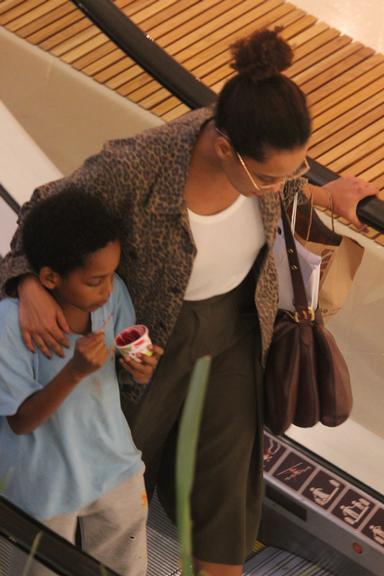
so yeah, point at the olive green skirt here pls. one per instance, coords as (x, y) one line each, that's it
(228, 489)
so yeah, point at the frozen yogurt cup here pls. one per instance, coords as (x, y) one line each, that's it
(134, 340)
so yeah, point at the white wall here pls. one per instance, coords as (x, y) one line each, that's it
(360, 19)
(68, 115)
(51, 118)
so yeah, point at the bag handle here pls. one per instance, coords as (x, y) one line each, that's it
(303, 311)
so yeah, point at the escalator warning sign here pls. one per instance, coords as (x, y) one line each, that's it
(323, 489)
(353, 508)
(294, 471)
(374, 528)
(273, 451)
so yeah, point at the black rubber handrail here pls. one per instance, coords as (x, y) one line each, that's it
(141, 48)
(370, 210)
(20, 530)
(8, 199)
(182, 84)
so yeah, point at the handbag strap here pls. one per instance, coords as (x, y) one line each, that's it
(303, 311)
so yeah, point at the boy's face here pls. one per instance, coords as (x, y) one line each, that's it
(89, 286)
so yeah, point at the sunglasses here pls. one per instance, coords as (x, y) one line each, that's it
(301, 170)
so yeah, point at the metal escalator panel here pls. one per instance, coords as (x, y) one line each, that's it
(267, 561)
(327, 522)
(274, 562)
(20, 533)
(319, 512)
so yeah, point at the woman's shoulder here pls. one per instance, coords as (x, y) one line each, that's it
(120, 294)
(9, 313)
(155, 141)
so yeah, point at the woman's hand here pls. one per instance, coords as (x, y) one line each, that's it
(42, 321)
(142, 371)
(346, 193)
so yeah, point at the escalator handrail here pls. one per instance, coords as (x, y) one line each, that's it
(8, 199)
(20, 530)
(145, 52)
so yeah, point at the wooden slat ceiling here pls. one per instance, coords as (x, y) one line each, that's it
(343, 79)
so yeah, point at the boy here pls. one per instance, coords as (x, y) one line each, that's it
(65, 445)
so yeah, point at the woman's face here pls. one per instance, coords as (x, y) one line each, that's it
(253, 178)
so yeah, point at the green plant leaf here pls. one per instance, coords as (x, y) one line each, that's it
(34, 547)
(103, 570)
(4, 480)
(186, 457)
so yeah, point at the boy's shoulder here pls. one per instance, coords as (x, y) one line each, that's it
(10, 332)
(120, 304)
(9, 314)
(120, 290)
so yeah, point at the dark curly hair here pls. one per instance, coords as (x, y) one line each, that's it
(62, 230)
(260, 108)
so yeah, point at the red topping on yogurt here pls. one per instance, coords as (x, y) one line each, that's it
(127, 337)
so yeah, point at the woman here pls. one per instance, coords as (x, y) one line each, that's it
(200, 203)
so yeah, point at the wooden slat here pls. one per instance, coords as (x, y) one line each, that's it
(149, 10)
(371, 164)
(321, 59)
(45, 26)
(88, 47)
(379, 183)
(343, 136)
(218, 64)
(348, 124)
(99, 59)
(199, 61)
(365, 82)
(183, 21)
(343, 79)
(367, 98)
(7, 5)
(39, 11)
(202, 26)
(70, 30)
(316, 54)
(347, 62)
(17, 10)
(121, 81)
(359, 148)
(121, 71)
(347, 78)
(163, 107)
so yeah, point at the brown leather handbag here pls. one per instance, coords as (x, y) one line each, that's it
(306, 377)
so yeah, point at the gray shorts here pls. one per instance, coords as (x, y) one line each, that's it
(113, 530)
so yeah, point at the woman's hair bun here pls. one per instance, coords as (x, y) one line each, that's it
(262, 55)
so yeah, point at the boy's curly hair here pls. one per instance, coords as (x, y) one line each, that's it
(62, 230)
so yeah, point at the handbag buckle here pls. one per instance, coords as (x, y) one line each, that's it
(306, 314)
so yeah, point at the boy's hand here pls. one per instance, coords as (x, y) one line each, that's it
(142, 371)
(90, 354)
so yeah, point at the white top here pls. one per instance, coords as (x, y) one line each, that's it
(227, 245)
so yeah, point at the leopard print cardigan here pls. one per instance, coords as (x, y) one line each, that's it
(142, 179)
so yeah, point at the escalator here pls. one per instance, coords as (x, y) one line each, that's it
(318, 519)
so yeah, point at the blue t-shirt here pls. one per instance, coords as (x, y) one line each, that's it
(85, 448)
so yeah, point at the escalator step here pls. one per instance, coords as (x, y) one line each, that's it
(267, 561)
